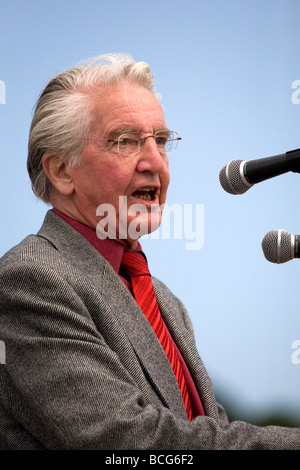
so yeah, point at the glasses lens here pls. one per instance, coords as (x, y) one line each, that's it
(167, 140)
(129, 144)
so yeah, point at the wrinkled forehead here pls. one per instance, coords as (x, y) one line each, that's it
(125, 103)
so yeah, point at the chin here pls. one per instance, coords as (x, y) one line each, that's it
(143, 224)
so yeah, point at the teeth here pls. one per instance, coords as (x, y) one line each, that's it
(147, 193)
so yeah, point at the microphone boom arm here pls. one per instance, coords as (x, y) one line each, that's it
(272, 166)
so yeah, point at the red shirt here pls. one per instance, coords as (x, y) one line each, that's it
(112, 251)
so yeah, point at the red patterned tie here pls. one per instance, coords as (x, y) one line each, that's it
(136, 266)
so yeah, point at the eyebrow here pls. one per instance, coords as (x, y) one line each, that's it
(123, 130)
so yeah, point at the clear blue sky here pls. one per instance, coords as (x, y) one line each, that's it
(225, 71)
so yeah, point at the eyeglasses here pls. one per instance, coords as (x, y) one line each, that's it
(131, 143)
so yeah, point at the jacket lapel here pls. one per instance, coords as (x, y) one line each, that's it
(147, 347)
(184, 338)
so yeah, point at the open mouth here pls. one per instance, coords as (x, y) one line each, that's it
(147, 193)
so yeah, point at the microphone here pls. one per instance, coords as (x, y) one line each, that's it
(280, 246)
(238, 175)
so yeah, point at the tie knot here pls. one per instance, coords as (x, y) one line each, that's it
(135, 264)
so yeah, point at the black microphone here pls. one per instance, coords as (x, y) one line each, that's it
(238, 175)
(280, 246)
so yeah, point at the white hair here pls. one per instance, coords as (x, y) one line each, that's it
(64, 111)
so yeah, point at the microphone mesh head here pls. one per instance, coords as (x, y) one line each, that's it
(278, 246)
(231, 179)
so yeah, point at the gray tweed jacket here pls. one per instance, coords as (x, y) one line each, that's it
(83, 368)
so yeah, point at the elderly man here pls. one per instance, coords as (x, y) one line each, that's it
(98, 354)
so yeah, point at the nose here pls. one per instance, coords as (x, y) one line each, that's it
(150, 159)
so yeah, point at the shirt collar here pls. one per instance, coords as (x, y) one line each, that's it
(111, 250)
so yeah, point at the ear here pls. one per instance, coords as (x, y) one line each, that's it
(57, 171)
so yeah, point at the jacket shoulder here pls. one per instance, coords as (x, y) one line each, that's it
(31, 249)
